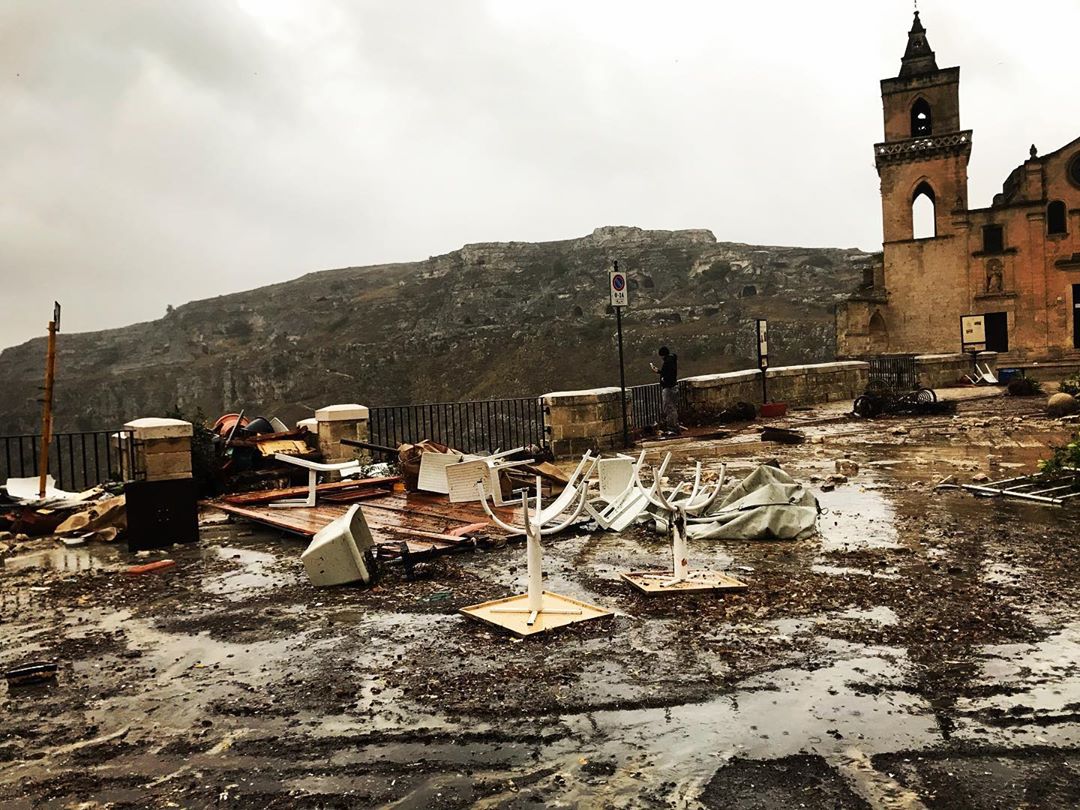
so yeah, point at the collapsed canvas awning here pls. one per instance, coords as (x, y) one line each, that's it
(767, 505)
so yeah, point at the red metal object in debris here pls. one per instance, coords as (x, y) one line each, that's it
(226, 422)
(771, 410)
(154, 566)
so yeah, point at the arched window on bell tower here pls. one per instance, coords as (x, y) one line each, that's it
(922, 122)
(923, 212)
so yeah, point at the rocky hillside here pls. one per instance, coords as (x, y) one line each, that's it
(498, 319)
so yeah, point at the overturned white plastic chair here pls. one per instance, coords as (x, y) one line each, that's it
(562, 512)
(622, 498)
(700, 503)
(345, 469)
(691, 506)
(462, 478)
(433, 466)
(982, 375)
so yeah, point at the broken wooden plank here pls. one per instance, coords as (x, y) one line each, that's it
(271, 495)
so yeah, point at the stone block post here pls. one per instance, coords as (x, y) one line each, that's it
(577, 421)
(162, 449)
(337, 422)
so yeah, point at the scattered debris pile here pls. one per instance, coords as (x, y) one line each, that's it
(76, 517)
(879, 400)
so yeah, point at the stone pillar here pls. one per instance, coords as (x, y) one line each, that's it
(577, 421)
(162, 449)
(337, 422)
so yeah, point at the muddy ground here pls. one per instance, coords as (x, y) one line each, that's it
(922, 651)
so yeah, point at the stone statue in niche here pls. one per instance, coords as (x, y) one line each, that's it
(995, 278)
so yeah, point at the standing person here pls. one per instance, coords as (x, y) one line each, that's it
(669, 390)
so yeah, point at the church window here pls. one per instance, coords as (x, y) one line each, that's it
(923, 214)
(1074, 170)
(1056, 221)
(993, 239)
(921, 121)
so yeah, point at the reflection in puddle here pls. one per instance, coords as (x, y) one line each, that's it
(856, 517)
(62, 559)
(773, 715)
(255, 573)
(1035, 690)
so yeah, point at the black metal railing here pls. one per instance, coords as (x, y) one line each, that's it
(645, 409)
(896, 372)
(77, 461)
(473, 427)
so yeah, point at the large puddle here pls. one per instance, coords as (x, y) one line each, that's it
(857, 701)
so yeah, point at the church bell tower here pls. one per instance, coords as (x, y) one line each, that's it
(925, 152)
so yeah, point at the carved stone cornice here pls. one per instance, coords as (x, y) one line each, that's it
(911, 149)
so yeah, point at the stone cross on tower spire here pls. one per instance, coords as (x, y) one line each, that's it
(918, 58)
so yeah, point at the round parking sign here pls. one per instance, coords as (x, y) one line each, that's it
(619, 297)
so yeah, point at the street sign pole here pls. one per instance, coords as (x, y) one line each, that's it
(622, 378)
(47, 401)
(619, 298)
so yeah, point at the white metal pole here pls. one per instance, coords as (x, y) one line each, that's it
(534, 561)
(680, 563)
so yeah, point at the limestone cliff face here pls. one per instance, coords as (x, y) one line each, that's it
(490, 319)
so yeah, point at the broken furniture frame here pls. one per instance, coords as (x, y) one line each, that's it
(1038, 488)
(695, 504)
(551, 520)
(537, 605)
(982, 375)
(345, 468)
(618, 511)
(681, 578)
(432, 475)
(462, 478)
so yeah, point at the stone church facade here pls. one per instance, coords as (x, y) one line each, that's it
(1016, 262)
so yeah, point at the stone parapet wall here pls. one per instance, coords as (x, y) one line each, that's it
(820, 382)
(941, 370)
(578, 421)
(945, 370)
(707, 395)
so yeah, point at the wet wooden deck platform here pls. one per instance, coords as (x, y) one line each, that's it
(427, 524)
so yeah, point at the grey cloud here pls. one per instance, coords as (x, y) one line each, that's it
(159, 152)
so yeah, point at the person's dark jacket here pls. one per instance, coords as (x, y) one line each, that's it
(669, 372)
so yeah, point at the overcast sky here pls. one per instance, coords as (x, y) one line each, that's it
(156, 152)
